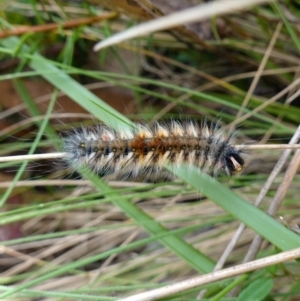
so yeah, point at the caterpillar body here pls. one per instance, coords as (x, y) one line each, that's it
(144, 150)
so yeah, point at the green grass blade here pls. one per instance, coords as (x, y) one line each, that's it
(250, 215)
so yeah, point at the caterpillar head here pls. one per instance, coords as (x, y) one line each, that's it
(233, 162)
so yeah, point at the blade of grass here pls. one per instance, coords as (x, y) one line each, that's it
(250, 215)
(277, 7)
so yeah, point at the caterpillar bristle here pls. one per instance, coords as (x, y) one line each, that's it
(144, 150)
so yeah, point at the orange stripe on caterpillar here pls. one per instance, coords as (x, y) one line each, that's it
(145, 149)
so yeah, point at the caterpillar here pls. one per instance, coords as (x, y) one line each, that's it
(144, 150)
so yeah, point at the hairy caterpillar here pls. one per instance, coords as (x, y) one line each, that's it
(144, 150)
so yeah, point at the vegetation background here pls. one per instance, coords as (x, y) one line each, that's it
(64, 239)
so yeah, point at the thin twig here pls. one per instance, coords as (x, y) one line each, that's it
(215, 276)
(63, 182)
(33, 157)
(55, 26)
(63, 155)
(269, 146)
(260, 70)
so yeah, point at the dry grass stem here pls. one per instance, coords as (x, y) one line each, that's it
(259, 71)
(64, 182)
(63, 155)
(194, 14)
(215, 276)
